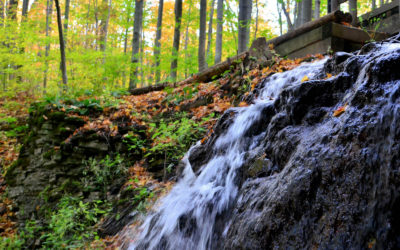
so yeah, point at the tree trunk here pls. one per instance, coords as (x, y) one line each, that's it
(256, 28)
(137, 30)
(306, 11)
(157, 44)
(49, 12)
(187, 40)
(210, 30)
(353, 11)
(66, 19)
(279, 19)
(202, 35)
(373, 4)
(335, 5)
(87, 26)
(62, 46)
(287, 15)
(25, 5)
(244, 24)
(105, 15)
(382, 3)
(177, 36)
(317, 9)
(96, 17)
(297, 14)
(12, 9)
(220, 22)
(2, 13)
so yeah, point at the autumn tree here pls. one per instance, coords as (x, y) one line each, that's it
(157, 44)
(220, 22)
(177, 35)
(62, 46)
(202, 36)
(137, 30)
(244, 24)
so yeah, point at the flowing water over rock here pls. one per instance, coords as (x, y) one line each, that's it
(285, 172)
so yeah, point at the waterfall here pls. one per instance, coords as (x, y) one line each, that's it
(185, 218)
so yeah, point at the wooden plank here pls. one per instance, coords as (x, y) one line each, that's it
(319, 47)
(355, 34)
(299, 42)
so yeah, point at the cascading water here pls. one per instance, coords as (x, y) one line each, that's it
(186, 217)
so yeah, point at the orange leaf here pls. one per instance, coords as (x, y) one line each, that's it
(304, 79)
(338, 112)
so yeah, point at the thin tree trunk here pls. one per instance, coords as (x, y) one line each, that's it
(220, 22)
(12, 9)
(177, 35)
(49, 12)
(187, 40)
(157, 44)
(296, 18)
(317, 9)
(256, 28)
(105, 13)
(373, 4)
(66, 19)
(244, 24)
(210, 30)
(87, 26)
(279, 19)
(137, 30)
(202, 36)
(141, 51)
(382, 3)
(287, 15)
(126, 38)
(96, 17)
(62, 47)
(2, 14)
(353, 11)
(25, 5)
(106, 31)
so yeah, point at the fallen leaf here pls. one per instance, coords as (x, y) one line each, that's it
(304, 79)
(338, 112)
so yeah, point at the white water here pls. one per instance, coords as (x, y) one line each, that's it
(186, 217)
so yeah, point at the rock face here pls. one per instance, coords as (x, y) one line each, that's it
(323, 181)
(48, 167)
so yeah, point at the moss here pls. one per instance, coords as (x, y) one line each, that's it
(48, 154)
(57, 116)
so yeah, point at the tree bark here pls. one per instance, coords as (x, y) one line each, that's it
(49, 12)
(187, 40)
(105, 15)
(87, 26)
(353, 11)
(334, 5)
(210, 30)
(62, 46)
(373, 4)
(306, 11)
(157, 44)
(66, 19)
(256, 28)
(220, 22)
(287, 14)
(25, 5)
(12, 9)
(177, 36)
(2, 13)
(137, 30)
(244, 24)
(317, 9)
(279, 18)
(202, 35)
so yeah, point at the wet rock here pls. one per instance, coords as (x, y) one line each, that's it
(335, 182)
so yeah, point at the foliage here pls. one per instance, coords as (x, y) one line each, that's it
(103, 172)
